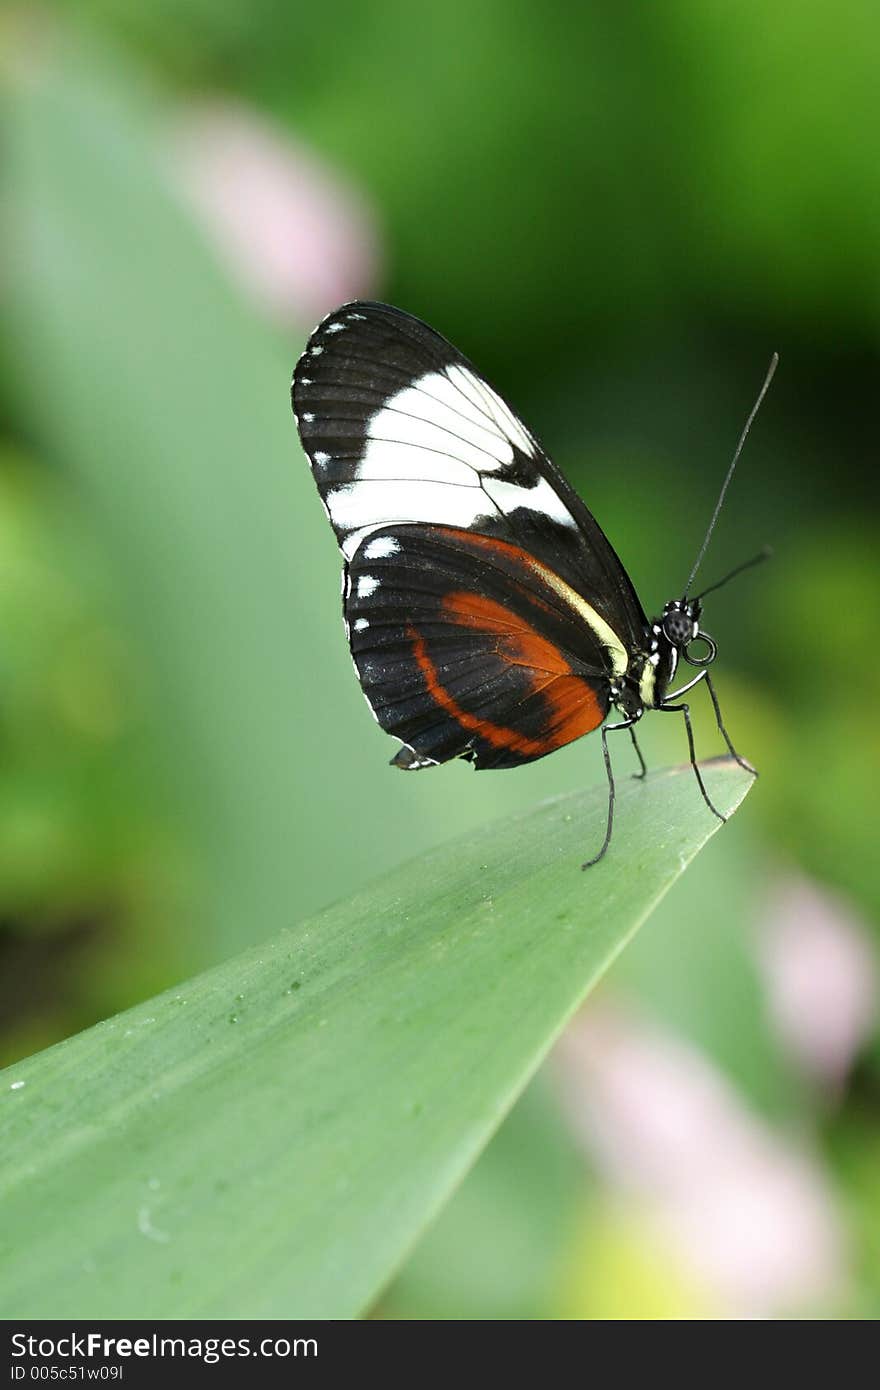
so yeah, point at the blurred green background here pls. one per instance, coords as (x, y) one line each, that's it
(618, 213)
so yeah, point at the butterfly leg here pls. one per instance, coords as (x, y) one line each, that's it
(724, 734)
(635, 742)
(685, 709)
(606, 730)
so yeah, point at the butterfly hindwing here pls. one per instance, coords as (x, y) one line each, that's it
(464, 647)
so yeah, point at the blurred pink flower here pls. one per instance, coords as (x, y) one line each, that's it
(821, 972)
(296, 235)
(748, 1210)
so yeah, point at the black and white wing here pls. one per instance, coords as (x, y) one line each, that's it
(401, 428)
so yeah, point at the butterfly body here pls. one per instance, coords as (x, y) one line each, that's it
(488, 615)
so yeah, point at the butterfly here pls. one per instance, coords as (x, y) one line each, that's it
(488, 615)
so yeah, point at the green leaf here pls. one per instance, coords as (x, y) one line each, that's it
(504, 1245)
(719, 1002)
(271, 1139)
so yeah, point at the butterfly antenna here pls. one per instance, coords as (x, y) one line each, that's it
(774, 362)
(764, 554)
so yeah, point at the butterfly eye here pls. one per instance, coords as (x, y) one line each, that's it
(708, 655)
(678, 627)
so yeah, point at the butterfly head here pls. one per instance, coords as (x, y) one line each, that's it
(680, 625)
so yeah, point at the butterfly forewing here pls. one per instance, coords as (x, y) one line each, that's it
(400, 427)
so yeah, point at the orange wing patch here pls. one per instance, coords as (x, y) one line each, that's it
(573, 708)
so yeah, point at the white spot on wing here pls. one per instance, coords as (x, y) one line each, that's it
(481, 393)
(443, 389)
(381, 548)
(334, 328)
(352, 541)
(316, 352)
(369, 505)
(439, 433)
(542, 498)
(400, 459)
(361, 624)
(367, 584)
(320, 458)
(308, 416)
